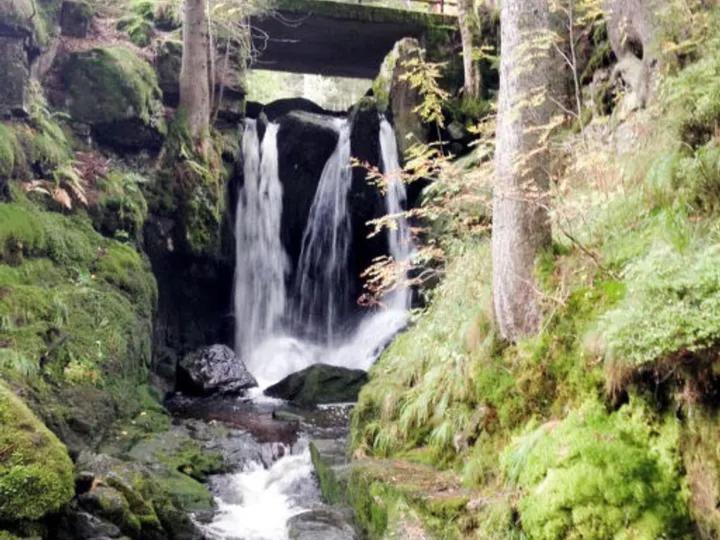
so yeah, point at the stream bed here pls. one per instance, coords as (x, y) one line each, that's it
(271, 491)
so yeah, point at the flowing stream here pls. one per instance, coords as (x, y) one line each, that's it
(275, 338)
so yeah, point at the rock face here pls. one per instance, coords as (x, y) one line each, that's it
(322, 524)
(125, 110)
(318, 384)
(306, 139)
(632, 28)
(125, 496)
(16, 76)
(396, 96)
(75, 18)
(214, 369)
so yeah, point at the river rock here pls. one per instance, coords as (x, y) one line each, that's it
(214, 369)
(319, 384)
(321, 524)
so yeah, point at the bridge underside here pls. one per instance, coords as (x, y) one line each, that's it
(334, 39)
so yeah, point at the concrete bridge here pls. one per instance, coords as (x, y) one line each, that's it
(337, 39)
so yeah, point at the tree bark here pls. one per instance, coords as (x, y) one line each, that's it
(194, 83)
(520, 219)
(467, 23)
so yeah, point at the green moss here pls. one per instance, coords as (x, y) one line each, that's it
(124, 87)
(139, 30)
(331, 488)
(123, 267)
(36, 474)
(596, 475)
(7, 151)
(681, 289)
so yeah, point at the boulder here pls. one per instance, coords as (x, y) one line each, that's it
(318, 384)
(125, 110)
(75, 18)
(36, 473)
(321, 524)
(215, 369)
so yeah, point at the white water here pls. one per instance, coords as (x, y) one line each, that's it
(261, 262)
(399, 237)
(263, 500)
(322, 285)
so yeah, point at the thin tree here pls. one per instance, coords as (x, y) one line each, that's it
(467, 20)
(195, 71)
(521, 227)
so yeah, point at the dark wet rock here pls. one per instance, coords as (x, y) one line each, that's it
(366, 202)
(256, 420)
(321, 524)
(167, 66)
(305, 142)
(78, 524)
(15, 68)
(282, 107)
(75, 18)
(214, 369)
(319, 384)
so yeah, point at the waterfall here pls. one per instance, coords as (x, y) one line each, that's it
(321, 298)
(322, 285)
(399, 238)
(261, 261)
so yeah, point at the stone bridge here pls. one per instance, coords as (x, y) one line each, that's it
(337, 39)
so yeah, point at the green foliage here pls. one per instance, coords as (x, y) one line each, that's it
(682, 292)
(36, 474)
(597, 475)
(121, 208)
(422, 389)
(693, 96)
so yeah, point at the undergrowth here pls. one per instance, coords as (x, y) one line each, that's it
(630, 290)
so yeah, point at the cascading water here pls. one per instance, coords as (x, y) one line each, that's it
(322, 286)
(399, 238)
(261, 263)
(262, 500)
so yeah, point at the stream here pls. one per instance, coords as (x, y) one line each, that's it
(287, 321)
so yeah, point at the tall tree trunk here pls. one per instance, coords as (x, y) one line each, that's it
(467, 22)
(194, 83)
(520, 219)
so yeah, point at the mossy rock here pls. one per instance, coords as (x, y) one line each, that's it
(36, 473)
(117, 93)
(136, 498)
(320, 383)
